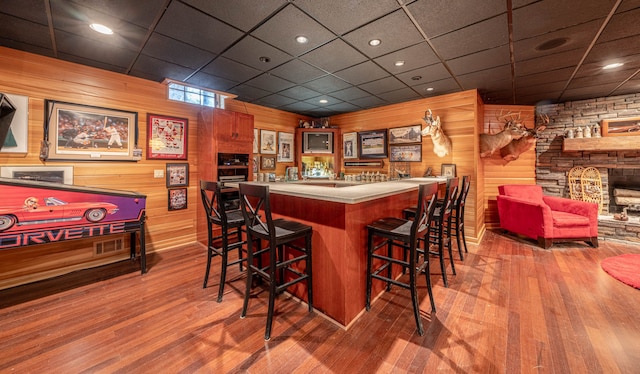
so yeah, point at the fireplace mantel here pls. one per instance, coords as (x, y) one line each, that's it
(613, 143)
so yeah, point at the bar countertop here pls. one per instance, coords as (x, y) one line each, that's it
(344, 191)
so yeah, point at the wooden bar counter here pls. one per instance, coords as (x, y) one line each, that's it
(339, 216)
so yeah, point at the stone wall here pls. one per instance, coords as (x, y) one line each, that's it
(553, 165)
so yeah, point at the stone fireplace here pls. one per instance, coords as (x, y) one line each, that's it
(619, 165)
(624, 190)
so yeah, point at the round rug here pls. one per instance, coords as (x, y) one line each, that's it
(625, 268)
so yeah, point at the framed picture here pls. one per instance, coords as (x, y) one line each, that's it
(349, 145)
(448, 170)
(285, 147)
(167, 137)
(255, 163)
(410, 153)
(177, 198)
(403, 135)
(621, 127)
(372, 144)
(54, 174)
(177, 175)
(18, 123)
(268, 142)
(268, 162)
(256, 139)
(89, 133)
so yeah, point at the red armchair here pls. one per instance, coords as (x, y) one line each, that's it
(523, 209)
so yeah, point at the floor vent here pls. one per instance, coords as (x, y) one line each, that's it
(108, 246)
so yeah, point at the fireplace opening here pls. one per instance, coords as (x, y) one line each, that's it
(624, 191)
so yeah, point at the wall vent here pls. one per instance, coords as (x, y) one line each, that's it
(108, 246)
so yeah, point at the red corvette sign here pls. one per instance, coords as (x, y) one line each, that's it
(39, 212)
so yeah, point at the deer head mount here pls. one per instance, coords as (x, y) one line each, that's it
(516, 147)
(441, 142)
(513, 129)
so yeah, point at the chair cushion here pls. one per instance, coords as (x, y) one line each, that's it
(563, 219)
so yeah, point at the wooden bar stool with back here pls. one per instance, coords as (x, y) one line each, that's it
(285, 267)
(405, 234)
(222, 212)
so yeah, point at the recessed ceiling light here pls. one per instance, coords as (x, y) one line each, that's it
(612, 66)
(264, 59)
(374, 42)
(102, 29)
(323, 101)
(399, 63)
(429, 89)
(301, 39)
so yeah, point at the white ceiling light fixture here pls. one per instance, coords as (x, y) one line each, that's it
(302, 39)
(374, 42)
(323, 101)
(429, 89)
(102, 29)
(612, 66)
(399, 63)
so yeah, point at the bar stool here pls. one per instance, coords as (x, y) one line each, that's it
(457, 215)
(439, 232)
(279, 233)
(230, 221)
(398, 232)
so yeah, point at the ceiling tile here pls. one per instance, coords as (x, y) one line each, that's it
(440, 87)
(396, 31)
(248, 93)
(382, 85)
(480, 36)
(190, 26)
(283, 28)
(577, 37)
(29, 33)
(164, 48)
(297, 71)
(161, 69)
(487, 79)
(401, 95)
(229, 69)
(299, 93)
(343, 108)
(327, 84)
(541, 64)
(369, 102)
(361, 73)
(205, 80)
(441, 17)
(542, 16)
(269, 83)
(139, 12)
(349, 94)
(89, 50)
(342, 16)
(250, 51)
(325, 57)
(30, 10)
(414, 57)
(243, 14)
(275, 100)
(298, 107)
(486, 59)
(419, 76)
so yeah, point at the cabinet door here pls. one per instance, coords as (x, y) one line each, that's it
(224, 124)
(244, 128)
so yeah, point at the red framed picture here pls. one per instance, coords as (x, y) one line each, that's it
(167, 137)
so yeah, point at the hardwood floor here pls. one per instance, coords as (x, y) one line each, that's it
(513, 307)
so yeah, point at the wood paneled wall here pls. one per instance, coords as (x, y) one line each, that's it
(459, 117)
(496, 171)
(41, 78)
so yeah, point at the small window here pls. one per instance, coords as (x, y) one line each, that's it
(194, 95)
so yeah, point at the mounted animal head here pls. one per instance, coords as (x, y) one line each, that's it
(516, 147)
(441, 142)
(513, 129)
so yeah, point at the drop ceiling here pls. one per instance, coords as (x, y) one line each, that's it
(522, 52)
